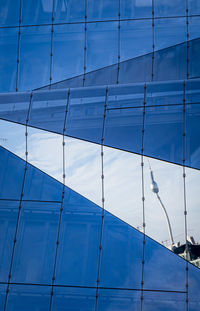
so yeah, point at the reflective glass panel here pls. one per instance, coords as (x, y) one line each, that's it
(8, 60)
(165, 35)
(8, 220)
(135, 9)
(192, 91)
(104, 76)
(77, 261)
(37, 12)
(12, 174)
(193, 287)
(194, 27)
(102, 45)
(36, 243)
(35, 47)
(28, 297)
(102, 10)
(123, 129)
(9, 12)
(121, 258)
(194, 7)
(68, 51)
(135, 38)
(69, 11)
(194, 63)
(164, 301)
(165, 8)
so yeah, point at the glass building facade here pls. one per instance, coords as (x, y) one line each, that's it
(100, 155)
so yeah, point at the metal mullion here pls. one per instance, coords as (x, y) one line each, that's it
(85, 44)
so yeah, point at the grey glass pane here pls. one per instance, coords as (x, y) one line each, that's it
(68, 51)
(135, 38)
(135, 9)
(37, 12)
(102, 10)
(35, 45)
(69, 11)
(102, 45)
(8, 60)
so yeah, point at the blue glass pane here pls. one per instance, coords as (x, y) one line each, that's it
(165, 8)
(39, 186)
(28, 297)
(36, 243)
(125, 96)
(164, 301)
(68, 51)
(170, 63)
(169, 270)
(192, 135)
(72, 82)
(192, 91)
(135, 38)
(8, 60)
(194, 7)
(193, 287)
(8, 220)
(123, 129)
(102, 45)
(165, 35)
(69, 299)
(135, 9)
(104, 76)
(120, 300)
(165, 93)
(121, 260)
(2, 295)
(14, 107)
(37, 12)
(77, 261)
(102, 10)
(69, 11)
(138, 69)
(9, 12)
(194, 62)
(85, 114)
(163, 138)
(48, 110)
(194, 27)
(35, 47)
(11, 175)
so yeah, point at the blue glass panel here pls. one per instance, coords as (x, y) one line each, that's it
(9, 12)
(165, 35)
(11, 176)
(39, 186)
(85, 114)
(135, 38)
(135, 9)
(37, 12)
(163, 138)
(102, 45)
(14, 107)
(28, 297)
(77, 261)
(102, 10)
(194, 7)
(194, 27)
(36, 243)
(192, 91)
(121, 260)
(73, 82)
(170, 63)
(192, 135)
(138, 69)
(123, 129)
(120, 300)
(169, 270)
(125, 96)
(194, 62)
(68, 51)
(48, 110)
(164, 301)
(8, 60)
(73, 299)
(8, 220)
(165, 8)
(35, 45)
(193, 287)
(104, 76)
(164, 93)
(69, 11)
(2, 295)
